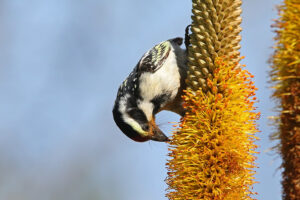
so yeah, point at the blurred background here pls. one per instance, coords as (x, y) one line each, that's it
(61, 63)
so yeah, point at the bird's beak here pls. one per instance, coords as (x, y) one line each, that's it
(155, 133)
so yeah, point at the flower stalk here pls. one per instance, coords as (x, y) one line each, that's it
(212, 150)
(285, 76)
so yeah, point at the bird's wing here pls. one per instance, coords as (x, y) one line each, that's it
(155, 57)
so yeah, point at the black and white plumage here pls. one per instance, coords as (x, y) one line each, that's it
(155, 84)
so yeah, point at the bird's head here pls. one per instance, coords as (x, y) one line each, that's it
(134, 124)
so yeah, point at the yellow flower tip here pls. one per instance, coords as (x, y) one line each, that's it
(212, 151)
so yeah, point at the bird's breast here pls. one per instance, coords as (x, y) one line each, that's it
(164, 80)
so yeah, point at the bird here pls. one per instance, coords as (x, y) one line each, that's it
(155, 84)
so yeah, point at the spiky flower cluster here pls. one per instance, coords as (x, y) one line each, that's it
(215, 33)
(212, 149)
(286, 78)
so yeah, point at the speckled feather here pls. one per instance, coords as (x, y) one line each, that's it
(151, 61)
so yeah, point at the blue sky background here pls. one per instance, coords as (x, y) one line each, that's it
(61, 62)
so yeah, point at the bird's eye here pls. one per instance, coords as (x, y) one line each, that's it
(145, 127)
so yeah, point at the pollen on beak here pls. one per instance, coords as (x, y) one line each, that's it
(155, 133)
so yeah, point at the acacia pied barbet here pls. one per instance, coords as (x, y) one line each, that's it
(155, 84)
